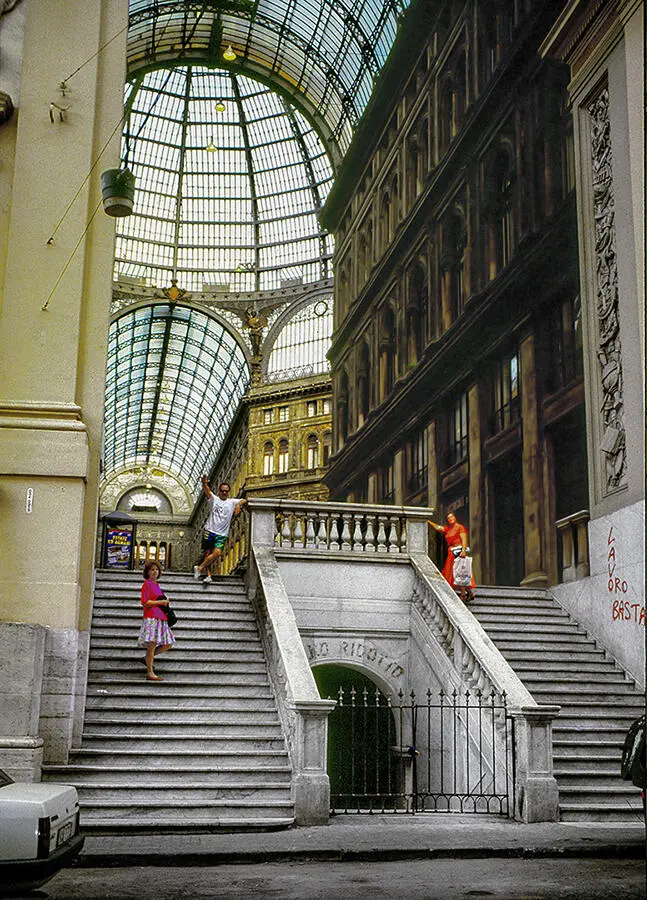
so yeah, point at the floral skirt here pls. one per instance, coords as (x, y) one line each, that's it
(155, 631)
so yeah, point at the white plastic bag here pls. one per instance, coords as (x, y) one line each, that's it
(462, 571)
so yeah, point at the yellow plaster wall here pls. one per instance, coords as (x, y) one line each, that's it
(52, 362)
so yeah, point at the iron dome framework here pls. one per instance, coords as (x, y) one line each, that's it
(175, 378)
(234, 158)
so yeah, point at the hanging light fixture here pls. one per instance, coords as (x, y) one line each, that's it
(220, 106)
(229, 54)
(211, 147)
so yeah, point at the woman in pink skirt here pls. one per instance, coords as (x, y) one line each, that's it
(155, 634)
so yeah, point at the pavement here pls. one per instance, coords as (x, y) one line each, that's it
(372, 837)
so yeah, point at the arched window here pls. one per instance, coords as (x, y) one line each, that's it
(393, 210)
(268, 458)
(453, 98)
(386, 211)
(364, 382)
(503, 209)
(361, 262)
(445, 105)
(283, 456)
(327, 447)
(302, 343)
(313, 452)
(453, 260)
(416, 315)
(423, 153)
(342, 409)
(388, 352)
(413, 169)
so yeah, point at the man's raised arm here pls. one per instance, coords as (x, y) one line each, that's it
(206, 488)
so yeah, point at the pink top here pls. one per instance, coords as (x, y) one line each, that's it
(151, 590)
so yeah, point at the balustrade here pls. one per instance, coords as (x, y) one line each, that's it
(340, 527)
(574, 535)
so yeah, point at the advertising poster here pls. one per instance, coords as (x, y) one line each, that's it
(119, 541)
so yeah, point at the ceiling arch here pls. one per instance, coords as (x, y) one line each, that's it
(325, 54)
(175, 377)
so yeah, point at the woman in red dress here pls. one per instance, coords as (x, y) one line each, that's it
(455, 536)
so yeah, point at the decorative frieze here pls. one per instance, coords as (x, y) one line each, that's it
(609, 349)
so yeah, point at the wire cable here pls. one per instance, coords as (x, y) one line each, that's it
(45, 305)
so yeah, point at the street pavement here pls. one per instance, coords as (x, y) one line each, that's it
(416, 879)
(373, 838)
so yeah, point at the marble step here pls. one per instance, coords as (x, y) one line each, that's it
(182, 716)
(118, 736)
(224, 656)
(194, 778)
(187, 702)
(223, 673)
(238, 757)
(157, 790)
(175, 685)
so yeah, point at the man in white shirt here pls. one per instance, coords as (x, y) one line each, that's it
(222, 509)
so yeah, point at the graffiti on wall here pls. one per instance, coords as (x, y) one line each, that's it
(623, 609)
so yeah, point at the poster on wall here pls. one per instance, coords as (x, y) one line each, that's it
(119, 543)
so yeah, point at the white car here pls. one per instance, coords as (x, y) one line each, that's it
(39, 831)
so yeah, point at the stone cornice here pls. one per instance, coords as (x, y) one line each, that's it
(41, 415)
(583, 28)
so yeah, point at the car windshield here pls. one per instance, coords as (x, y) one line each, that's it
(5, 779)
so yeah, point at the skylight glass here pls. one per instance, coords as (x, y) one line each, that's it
(326, 53)
(175, 378)
(227, 198)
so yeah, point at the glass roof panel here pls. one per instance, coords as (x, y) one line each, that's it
(301, 346)
(217, 188)
(175, 377)
(326, 53)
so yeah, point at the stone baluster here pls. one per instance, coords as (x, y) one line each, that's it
(335, 531)
(321, 539)
(345, 544)
(310, 531)
(285, 531)
(369, 537)
(403, 535)
(356, 533)
(298, 536)
(381, 534)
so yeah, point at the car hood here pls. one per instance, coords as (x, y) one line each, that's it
(50, 797)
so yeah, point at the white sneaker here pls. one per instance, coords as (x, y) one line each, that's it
(208, 579)
(196, 572)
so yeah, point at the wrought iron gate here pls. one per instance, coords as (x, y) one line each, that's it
(450, 753)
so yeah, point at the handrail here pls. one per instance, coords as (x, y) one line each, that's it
(302, 712)
(463, 640)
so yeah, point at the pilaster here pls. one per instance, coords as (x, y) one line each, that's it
(477, 518)
(533, 469)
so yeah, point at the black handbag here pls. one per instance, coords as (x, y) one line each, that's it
(171, 618)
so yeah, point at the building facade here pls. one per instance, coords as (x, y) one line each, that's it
(463, 311)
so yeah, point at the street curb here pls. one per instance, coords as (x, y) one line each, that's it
(130, 860)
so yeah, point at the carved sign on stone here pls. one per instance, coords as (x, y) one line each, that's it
(609, 351)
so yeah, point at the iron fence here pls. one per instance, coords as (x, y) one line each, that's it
(449, 753)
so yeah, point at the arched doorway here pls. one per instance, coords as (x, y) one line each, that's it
(366, 764)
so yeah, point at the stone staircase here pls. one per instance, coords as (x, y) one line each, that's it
(201, 750)
(560, 664)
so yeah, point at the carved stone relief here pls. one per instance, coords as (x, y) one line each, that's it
(609, 349)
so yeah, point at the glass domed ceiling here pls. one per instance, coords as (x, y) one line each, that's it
(175, 378)
(230, 178)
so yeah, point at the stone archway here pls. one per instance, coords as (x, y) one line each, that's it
(365, 764)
